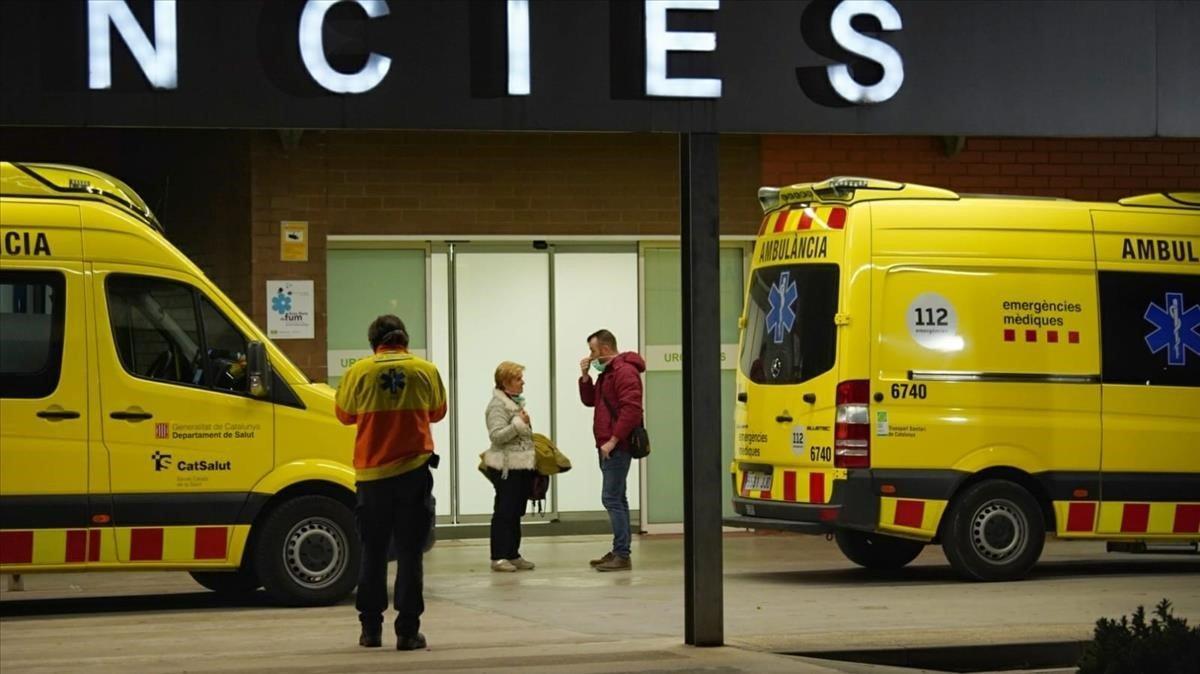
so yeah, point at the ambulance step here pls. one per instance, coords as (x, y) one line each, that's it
(767, 523)
(1143, 548)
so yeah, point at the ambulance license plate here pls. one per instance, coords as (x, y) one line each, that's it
(756, 481)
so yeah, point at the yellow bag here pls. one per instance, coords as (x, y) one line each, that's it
(548, 459)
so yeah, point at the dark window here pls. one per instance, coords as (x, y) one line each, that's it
(1150, 328)
(226, 350)
(167, 332)
(32, 314)
(790, 336)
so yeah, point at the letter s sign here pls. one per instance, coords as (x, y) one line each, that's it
(856, 43)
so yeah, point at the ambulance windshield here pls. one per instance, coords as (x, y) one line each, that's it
(790, 335)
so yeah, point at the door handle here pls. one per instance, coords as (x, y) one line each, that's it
(135, 415)
(741, 397)
(784, 418)
(810, 398)
(57, 413)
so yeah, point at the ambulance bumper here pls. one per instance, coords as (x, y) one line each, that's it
(852, 505)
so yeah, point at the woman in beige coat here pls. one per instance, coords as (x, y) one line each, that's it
(510, 462)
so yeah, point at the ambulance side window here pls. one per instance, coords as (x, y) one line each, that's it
(155, 327)
(32, 313)
(1150, 328)
(167, 331)
(226, 350)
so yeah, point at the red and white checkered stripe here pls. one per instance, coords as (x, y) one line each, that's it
(1041, 336)
(83, 546)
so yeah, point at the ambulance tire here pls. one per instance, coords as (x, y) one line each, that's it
(228, 583)
(993, 532)
(307, 552)
(875, 551)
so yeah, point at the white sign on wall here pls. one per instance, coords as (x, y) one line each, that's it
(290, 312)
(337, 361)
(669, 357)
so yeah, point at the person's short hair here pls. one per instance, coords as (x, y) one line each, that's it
(506, 372)
(387, 330)
(604, 338)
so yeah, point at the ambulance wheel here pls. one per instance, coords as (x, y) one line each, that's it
(307, 552)
(993, 532)
(876, 551)
(231, 583)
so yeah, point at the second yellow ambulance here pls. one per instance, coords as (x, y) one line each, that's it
(919, 366)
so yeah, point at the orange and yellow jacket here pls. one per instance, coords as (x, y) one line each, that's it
(392, 396)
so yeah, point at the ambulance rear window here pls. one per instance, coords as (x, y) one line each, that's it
(790, 335)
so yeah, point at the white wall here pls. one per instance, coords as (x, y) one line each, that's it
(593, 290)
(503, 313)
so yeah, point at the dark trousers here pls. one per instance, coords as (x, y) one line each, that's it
(512, 495)
(396, 507)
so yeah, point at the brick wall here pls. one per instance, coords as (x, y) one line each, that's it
(196, 182)
(223, 193)
(464, 184)
(1085, 169)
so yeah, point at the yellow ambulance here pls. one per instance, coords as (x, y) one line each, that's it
(919, 366)
(146, 422)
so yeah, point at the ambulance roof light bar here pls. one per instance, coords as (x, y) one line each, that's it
(1189, 200)
(63, 179)
(845, 190)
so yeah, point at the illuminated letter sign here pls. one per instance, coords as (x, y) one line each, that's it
(312, 49)
(875, 50)
(158, 60)
(518, 48)
(659, 41)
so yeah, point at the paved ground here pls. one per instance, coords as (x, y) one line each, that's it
(783, 594)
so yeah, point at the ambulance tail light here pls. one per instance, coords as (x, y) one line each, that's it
(852, 431)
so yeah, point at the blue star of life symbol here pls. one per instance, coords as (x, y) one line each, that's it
(392, 381)
(281, 303)
(1174, 329)
(781, 317)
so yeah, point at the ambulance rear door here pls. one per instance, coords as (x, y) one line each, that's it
(1149, 284)
(788, 359)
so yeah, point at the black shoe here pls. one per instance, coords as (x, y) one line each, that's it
(413, 643)
(371, 638)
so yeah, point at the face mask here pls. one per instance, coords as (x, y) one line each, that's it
(599, 366)
(518, 399)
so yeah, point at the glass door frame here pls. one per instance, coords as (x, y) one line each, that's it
(451, 245)
(746, 243)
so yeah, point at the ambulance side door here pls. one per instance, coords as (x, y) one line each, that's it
(43, 388)
(1150, 322)
(185, 441)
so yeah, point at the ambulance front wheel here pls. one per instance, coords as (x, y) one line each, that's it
(875, 551)
(307, 552)
(994, 531)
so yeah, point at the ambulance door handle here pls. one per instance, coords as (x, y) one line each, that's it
(810, 398)
(784, 418)
(742, 397)
(56, 413)
(135, 415)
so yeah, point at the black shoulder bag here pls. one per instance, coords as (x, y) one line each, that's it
(639, 439)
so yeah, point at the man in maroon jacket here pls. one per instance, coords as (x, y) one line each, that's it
(616, 399)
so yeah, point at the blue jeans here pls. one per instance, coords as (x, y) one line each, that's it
(615, 470)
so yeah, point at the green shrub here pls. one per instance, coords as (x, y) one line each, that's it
(1165, 645)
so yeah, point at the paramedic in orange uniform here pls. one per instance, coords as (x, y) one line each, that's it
(392, 397)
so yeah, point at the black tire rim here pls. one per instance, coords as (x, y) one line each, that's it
(315, 553)
(999, 531)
